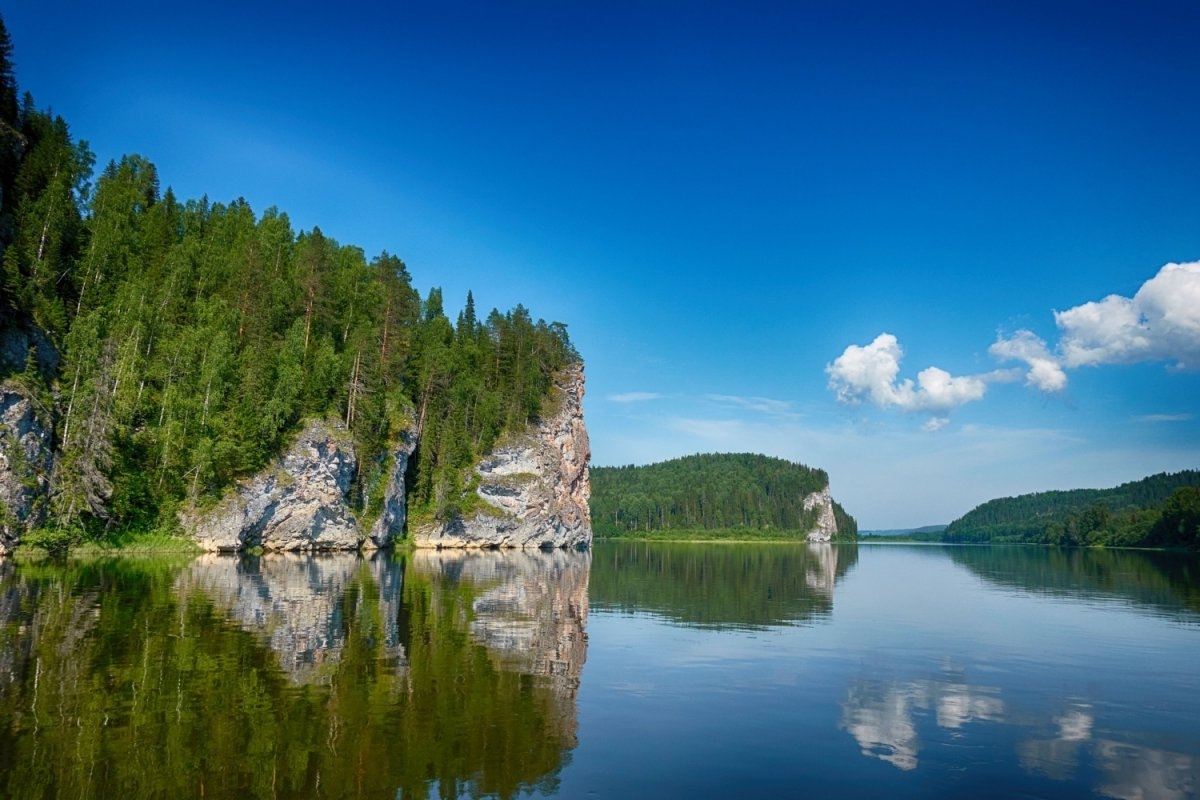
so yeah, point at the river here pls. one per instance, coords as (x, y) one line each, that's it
(634, 670)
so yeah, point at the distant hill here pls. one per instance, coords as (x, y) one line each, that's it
(924, 532)
(745, 492)
(1159, 511)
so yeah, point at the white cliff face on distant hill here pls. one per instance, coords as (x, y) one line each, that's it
(534, 485)
(826, 523)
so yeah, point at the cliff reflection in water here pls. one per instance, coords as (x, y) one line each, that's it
(294, 603)
(531, 608)
(291, 676)
(721, 586)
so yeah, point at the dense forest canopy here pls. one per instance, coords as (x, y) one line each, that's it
(191, 337)
(708, 492)
(1159, 511)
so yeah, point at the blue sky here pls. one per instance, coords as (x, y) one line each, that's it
(759, 220)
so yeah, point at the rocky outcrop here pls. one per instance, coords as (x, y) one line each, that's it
(25, 460)
(826, 527)
(532, 491)
(301, 502)
(390, 524)
(21, 343)
(533, 487)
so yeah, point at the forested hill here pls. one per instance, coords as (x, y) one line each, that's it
(182, 341)
(1159, 511)
(709, 492)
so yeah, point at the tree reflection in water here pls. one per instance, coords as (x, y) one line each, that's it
(747, 586)
(290, 676)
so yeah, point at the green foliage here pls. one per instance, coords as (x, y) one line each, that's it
(744, 494)
(1179, 524)
(847, 526)
(53, 541)
(1158, 511)
(195, 336)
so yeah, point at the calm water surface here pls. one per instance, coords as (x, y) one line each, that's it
(633, 671)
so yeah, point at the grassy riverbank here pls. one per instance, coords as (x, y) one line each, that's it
(56, 542)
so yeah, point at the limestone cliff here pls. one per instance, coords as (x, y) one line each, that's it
(826, 522)
(25, 461)
(390, 524)
(301, 502)
(533, 487)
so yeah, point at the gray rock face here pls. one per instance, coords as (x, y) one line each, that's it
(18, 343)
(534, 486)
(301, 502)
(25, 461)
(826, 523)
(390, 524)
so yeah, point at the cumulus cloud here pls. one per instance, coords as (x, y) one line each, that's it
(869, 373)
(1044, 373)
(1159, 323)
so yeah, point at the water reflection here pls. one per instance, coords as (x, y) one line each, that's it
(291, 676)
(293, 603)
(531, 610)
(880, 716)
(721, 586)
(1126, 770)
(1164, 581)
(1145, 773)
(1057, 757)
(887, 722)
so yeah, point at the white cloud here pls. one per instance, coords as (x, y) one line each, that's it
(1164, 418)
(868, 373)
(634, 397)
(935, 424)
(938, 390)
(764, 405)
(1045, 372)
(1159, 323)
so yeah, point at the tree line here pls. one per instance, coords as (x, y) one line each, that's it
(1162, 510)
(190, 338)
(717, 491)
